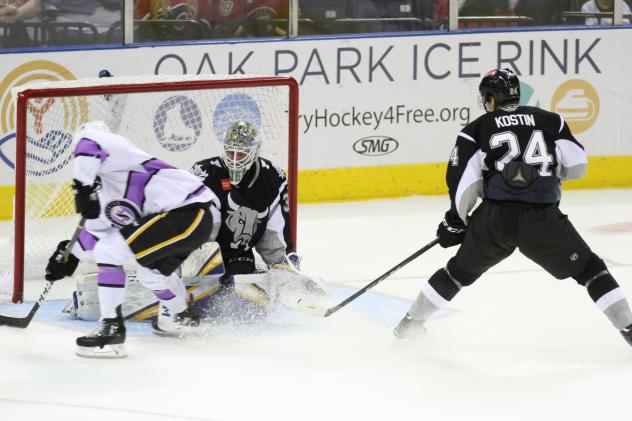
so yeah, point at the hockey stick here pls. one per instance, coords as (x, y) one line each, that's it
(23, 322)
(315, 310)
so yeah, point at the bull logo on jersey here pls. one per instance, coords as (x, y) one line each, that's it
(242, 222)
(121, 213)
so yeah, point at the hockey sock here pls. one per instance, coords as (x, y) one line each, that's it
(174, 305)
(609, 297)
(174, 296)
(111, 281)
(606, 293)
(434, 295)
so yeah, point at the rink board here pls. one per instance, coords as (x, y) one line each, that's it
(400, 99)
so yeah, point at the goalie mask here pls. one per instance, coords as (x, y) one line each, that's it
(503, 85)
(240, 149)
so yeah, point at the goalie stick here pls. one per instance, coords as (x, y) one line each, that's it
(315, 310)
(23, 322)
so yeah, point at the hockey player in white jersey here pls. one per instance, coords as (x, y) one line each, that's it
(137, 208)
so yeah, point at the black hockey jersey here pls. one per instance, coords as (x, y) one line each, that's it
(255, 213)
(526, 135)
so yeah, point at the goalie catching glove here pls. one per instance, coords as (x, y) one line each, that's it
(286, 278)
(58, 268)
(291, 262)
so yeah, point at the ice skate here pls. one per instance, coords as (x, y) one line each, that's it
(180, 324)
(409, 328)
(627, 334)
(105, 342)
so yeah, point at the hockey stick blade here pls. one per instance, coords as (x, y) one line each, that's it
(315, 310)
(23, 322)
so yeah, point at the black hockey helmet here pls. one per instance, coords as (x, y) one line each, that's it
(503, 85)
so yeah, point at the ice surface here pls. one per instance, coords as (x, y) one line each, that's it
(517, 345)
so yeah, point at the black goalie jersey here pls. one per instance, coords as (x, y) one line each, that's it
(255, 213)
(536, 145)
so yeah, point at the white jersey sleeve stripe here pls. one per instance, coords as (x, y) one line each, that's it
(85, 169)
(272, 245)
(466, 136)
(470, 185)
(572, 159)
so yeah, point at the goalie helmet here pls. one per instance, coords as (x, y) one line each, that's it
(240, 149)
(503, 85)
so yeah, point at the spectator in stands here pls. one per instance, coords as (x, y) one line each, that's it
(14, 33)
(543, 12)
(596, 6)
(9, 10)
(172, 9)
(249, 18)
(196, 13)
(99, 13)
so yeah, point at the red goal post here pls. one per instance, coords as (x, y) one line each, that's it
(177, 118)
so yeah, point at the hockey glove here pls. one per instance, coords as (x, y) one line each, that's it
(451, 231)
(291, 262)
(86, 200)
(57, 268)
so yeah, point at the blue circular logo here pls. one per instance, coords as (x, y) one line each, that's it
(233, 108)
(3, 157)
(178, 123)
(48, 154)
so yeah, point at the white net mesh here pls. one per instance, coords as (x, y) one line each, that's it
(179, 127)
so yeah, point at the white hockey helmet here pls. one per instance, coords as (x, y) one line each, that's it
(240, 149)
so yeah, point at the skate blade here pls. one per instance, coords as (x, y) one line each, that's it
(411, 334)
(177, 334)
(183, 332)
(108, 351)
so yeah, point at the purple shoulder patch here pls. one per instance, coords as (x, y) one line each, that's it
(87, 147)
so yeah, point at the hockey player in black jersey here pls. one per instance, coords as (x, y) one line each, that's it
(255, 213)
(514, 158)
(254, 201)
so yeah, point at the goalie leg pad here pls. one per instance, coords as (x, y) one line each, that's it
(86, 298)
(237, 302)
(204, 261)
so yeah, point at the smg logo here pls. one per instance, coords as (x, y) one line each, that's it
(375, 145)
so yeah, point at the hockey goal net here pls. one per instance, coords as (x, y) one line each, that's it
(178, 119)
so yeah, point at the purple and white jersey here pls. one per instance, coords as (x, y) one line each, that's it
(133, 183)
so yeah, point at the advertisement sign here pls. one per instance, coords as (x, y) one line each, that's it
(379, 101)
